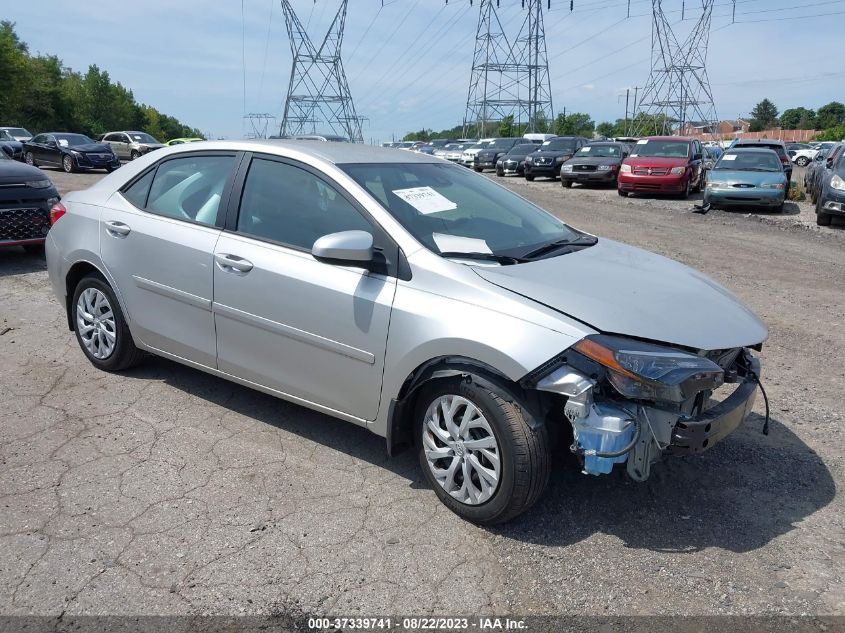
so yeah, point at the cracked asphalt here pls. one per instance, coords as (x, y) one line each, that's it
(166, 491)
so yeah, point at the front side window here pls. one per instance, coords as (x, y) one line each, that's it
(449, 209)
(286, 204)
(190, 188)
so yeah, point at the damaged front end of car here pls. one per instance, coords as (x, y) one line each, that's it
(630, 401)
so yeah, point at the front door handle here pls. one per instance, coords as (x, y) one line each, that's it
(117, 229)
(232, 263)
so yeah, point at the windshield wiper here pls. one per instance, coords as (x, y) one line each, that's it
(584, 240)
(487, 257)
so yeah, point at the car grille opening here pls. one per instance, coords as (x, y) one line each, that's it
(23, 224)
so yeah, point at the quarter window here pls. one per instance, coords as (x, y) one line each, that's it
(189, 188)
(137, 193)
(290, 205)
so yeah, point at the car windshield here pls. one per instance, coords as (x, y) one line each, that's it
(500, 143)
(479, 145)
(19, 131)
(775, 148)
(600, 151)
(72, 140)
(661, 149)
(521, 150)
(749, 161)
(555, 144)
(142, 137)
(449, 209)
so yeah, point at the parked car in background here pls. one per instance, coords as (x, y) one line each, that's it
(414, 298)
(455, 151)
(779, 147)
(26, 197)
(550, 156)
(71, 152)
(597, 162)
(822, 169)
(468, 156)
(131, 145)
(537, 138)
(325, 138)
(180, 141)
(514, 161)
(811, 170)
(802, 157)
(747, 177)
(831, 198)
(439, 143)
(663, 165)
(12, 147)
(407, 145)
(489, 156)
(17, 133)
(426, 149)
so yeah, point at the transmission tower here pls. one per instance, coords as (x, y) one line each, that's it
(678, 89)
(318, 92)
(258, 124)
(509, 78)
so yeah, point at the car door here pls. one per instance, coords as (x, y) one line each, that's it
(313, 331)
(121, 146)
(157, 238)
(112, 141)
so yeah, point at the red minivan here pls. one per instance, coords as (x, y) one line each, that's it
(663, 164)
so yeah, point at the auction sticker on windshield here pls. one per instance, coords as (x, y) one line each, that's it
(425, 200)
(460, 244)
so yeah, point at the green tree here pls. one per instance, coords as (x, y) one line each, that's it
(798, 119)
(764, 116)
(607, 129)
(830, 115)
(575, 124)
(506, 126)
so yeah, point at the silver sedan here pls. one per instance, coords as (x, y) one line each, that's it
(410, 296)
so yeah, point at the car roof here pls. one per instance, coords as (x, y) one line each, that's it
(336, 153)
(749, 150)
(759, 141)
(685, 139)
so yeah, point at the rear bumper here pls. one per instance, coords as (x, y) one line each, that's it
(694, 435)
(633, 183)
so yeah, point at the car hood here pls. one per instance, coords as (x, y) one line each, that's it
(90, 147)
(12, 171)
(152, 145)
(654, 161)
(737, 176)
(593, 160)
(620, 289)
(552, 153)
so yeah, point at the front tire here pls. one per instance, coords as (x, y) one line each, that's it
(529, 178)
(566, 184)
(100, 326)
(68, 164)
(478, 452)
(822, 219)
(624, 194)
(134, 154)
(29, 159)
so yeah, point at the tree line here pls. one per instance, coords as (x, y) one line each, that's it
(829, 119)
(40, 93)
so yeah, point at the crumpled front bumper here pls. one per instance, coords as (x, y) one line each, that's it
(697, 434)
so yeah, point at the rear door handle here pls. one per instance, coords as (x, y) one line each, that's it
(232, 263)
(118, 229)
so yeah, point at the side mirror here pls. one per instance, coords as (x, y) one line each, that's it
(696, 156)
(347, 248)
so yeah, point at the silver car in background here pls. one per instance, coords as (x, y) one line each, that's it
(412, 297)
(131, 145)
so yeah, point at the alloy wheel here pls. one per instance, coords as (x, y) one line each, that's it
(461, 449)
(67, 164)
(30, 159)
(95, 323)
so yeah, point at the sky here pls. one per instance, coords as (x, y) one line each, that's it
(409, 62)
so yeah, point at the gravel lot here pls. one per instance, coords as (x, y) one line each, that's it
(167, 491)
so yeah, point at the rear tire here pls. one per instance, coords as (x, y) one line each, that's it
(524, 454)
(107, 317)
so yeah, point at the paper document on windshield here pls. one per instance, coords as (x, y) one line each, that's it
(729, 157)
(425, 200)
(459, 244)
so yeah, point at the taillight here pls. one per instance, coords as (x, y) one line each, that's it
(784, 160)
(56, 211)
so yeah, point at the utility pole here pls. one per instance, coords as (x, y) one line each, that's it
(678, 88)
(318, 92)
(510, 77)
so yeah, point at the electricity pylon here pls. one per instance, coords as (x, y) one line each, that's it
(509, 78)
(318, 93)
(678, 89)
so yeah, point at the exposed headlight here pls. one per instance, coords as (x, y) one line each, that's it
(837, 182)
(625, 169)
(605, 167)
(677, 170)
(528, 159)
(75, 153)
(561, 159)
(39, 184)
(645, 371)
(499, 162)
(566, 168)
(772, 185)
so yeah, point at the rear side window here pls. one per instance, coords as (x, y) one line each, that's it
(137, 192)
(286, 204)
(190, 188)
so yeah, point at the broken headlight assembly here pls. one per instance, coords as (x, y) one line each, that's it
(644, 371)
